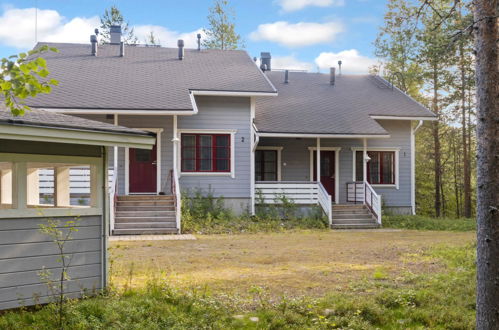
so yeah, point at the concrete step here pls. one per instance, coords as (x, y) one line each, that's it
(145, 225)
(145, 203)
(354, 226)
(155, 213)
(144, 219)
(351, 211)
(352, 216)
(149, 231)
(353, 221)
(348, 206)
(139, 208)
(145, 197)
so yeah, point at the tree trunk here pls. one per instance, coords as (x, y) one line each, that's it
(487, 84)
(436, 143)
(466, 153)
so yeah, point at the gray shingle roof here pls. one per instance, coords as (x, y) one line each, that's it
(146, 78)
(309, 104)
(42, 118)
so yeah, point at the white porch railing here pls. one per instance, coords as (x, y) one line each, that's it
(363, 192)
(298, 192)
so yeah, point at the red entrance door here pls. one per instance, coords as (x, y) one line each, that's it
(327, 170)
(142, 170)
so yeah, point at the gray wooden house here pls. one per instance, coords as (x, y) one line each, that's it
(58, 146)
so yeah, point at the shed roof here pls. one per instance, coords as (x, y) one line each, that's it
(309, 104)
(146, 78)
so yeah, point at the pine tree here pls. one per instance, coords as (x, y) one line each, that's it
(221, 33)
(113, 16)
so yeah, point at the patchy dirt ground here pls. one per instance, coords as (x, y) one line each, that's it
(292, 263)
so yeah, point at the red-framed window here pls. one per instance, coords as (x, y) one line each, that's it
(266, 165)
(205, 152)
(380, 169)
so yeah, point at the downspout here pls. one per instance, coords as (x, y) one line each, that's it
(254, 140)
(413, 166)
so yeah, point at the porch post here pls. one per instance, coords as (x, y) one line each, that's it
(364, 161)
(175, 145)
(318, 155)
(115, 149)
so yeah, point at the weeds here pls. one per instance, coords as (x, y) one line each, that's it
(426, 223)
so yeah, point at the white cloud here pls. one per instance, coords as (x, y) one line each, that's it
(289, 62)
(352, 61)
(17, 27)
(293, 5)
(167, 38)
(297, 35)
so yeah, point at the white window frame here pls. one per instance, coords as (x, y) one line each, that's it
(336, 168)
(397, 164)
(279, 159)
(19, 186)
(231, 132)
(158, 132)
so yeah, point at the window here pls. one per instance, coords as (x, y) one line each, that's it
(266, 165)
(205, 152)
(380, 169)
(5, 185)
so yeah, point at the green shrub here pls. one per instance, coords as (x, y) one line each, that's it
(202, 213)
(426, 223)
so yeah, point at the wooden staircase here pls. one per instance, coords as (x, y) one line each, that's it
(353, 216)
(145, 215)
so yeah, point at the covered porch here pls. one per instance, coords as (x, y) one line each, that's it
(332, 173)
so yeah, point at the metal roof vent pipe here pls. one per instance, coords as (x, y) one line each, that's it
(115, 32)
(265, 59)
(199, 41)
(122, 49)
(180, 44)
(93, 42)
(286, 76)
(339, 67)
(332, 76)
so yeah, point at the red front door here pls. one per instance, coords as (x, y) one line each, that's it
(327, 170)
(142, 170)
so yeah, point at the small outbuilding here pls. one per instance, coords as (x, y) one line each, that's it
(39, 152)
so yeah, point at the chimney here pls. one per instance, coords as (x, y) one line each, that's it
(115, 32)
(332, 76)
(180, 44)
(265, 61)
(122, 49)
(339, 67)
(199, 41)
(93, 42)
(286, 76)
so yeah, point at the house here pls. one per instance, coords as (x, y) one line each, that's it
(44, 142)
(246, 133)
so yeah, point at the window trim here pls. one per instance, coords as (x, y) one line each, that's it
(396, 150)
(232, 133)
(19, 186)
(279, 158)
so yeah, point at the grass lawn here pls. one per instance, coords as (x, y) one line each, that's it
(306, 279)
(294, 263)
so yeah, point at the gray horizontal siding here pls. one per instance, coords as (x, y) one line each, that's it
(296, 160)
(25, 251)
(223, 113)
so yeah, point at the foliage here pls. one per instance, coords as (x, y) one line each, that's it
(221, 33)
(426, 56)
(61, 234)
(203, 213)
(113, 16)
(24, 75)
(152, 40)
(434, 300)
(428, 223)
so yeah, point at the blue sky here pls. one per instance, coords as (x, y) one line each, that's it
(300, 34)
